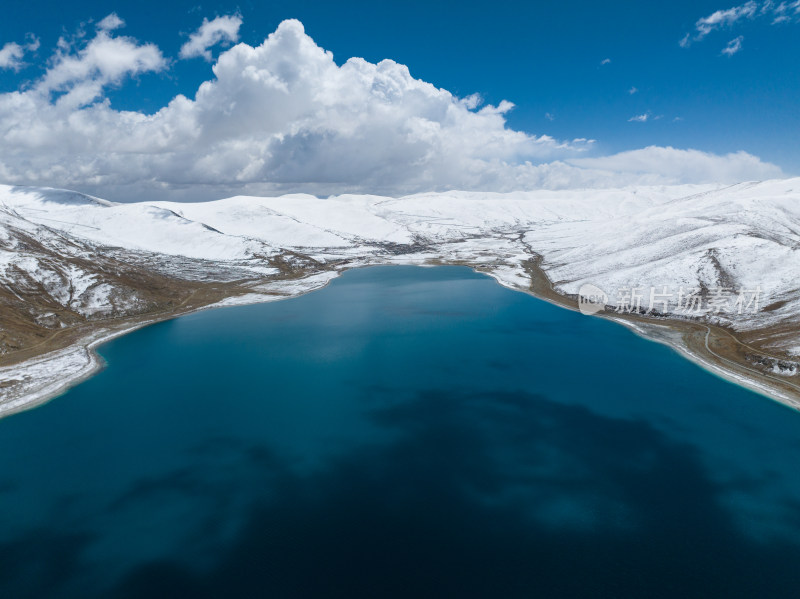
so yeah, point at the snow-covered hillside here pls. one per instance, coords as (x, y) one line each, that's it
(67, 257)
(741, 237)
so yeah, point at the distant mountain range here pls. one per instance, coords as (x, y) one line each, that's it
(76, 269)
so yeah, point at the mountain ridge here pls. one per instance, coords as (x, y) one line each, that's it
(73, 266)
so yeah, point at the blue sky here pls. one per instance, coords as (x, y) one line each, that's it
(573, 70)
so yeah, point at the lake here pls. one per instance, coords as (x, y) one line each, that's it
(403, 432)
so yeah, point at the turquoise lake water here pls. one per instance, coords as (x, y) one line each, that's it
(405, 432)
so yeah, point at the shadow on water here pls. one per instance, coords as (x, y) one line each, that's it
(500, 495)
(453, 441)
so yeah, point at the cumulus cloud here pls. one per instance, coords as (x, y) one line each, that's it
(640, 118)
(12, 53)
(110, 23)
(283, 116)
(11, 56)
(79, 76)
(211, 33)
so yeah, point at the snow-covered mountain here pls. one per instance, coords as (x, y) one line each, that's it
(68, 260)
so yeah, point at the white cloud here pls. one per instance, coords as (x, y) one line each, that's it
(781, 13)
(733, 46)
(11, 56)
(633, 90)
(657, 165)
(283, 116)
(110, 23)
(79, 76)
(211, 33)
(785, 12)
(12, 53)
(725, 18)
(605, 61)
(549, 116)
(640, 118)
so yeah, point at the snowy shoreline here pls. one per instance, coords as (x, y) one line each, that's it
(39, 384)
(46, 380)
(43, 378)
(673, 339)
(752, 383)
(68, 260)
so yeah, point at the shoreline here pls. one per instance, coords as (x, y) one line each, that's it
(93, 362)
(678, 337)
(752, 383)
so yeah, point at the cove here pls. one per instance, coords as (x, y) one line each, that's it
(403, 432)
